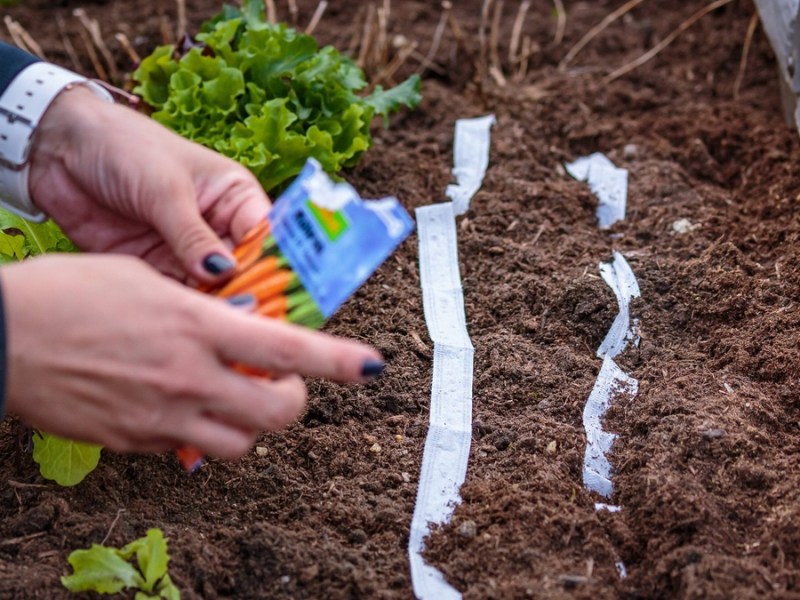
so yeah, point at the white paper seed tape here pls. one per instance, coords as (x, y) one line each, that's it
(611, 382)
(444, 461)
(446, 454)
(620, 278)
(607, 182)
(471, 159)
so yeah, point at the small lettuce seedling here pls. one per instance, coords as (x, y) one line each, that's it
(109, 571)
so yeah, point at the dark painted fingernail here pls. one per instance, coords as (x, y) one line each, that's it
(217, 264)
(373, 369)
(242, 300)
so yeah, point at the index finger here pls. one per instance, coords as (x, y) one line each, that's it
(280, 347)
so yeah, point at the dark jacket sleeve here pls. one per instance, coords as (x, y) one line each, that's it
(12, 61)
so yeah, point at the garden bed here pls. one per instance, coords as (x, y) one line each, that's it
(707, 459)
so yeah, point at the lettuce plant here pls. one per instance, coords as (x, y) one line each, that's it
(109, 571)
(266, 95)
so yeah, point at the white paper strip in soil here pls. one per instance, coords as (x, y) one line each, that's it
(446, 453)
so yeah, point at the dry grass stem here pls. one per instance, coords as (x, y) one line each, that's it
(748, 44)
(293, 11)
(355, 36)
(97, 64)
(463, 46)
(498, 76)
(422, 59)
(24, 538)
(367, 36)
(389, 71)
(561, 21)
(32, 43)
(482, 40)
(113, 524)
(430, 57)
(597, 30)
(317, 17)
(68, 47)
(524, 58)
(496, 67)
(93, 29)
(272, 15)
(381, 50)
(128, 48)
(20, 485)
(516, 32)
(22, 38)
(182, 28)
(625, 69)
(167, 34)
(14, 33)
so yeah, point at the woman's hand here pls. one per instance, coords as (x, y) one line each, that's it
(106, 350)
(118, 182)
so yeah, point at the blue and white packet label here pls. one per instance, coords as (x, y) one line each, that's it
(332, 238)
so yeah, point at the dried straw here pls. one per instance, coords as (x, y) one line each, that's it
(653, 52)
(597, 30)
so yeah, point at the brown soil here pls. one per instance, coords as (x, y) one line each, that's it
(707, 459)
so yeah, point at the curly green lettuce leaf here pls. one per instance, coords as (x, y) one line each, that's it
(385, 102)
(267, 96)
(102, 570)
(109, 570)
(64, 461)
(152, 557)
(20, 239)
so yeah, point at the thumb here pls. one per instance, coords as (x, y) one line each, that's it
(201, 251)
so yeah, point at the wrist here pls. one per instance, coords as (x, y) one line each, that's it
(23, 105)
(72, 117)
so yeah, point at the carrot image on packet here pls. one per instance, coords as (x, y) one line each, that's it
(317, 246)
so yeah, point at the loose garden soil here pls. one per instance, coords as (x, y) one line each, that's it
(708, 455)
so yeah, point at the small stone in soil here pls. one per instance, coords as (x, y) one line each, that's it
(713, 434)
(468, 529)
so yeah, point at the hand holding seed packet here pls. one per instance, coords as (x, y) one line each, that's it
(318, 245)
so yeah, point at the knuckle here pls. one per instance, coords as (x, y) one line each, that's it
(237, 446)
(290, 405)
(287, 355)
(173, 384)
(192, 237)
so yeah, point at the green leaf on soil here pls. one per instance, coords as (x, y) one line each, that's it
(108, 570)
(101, 570)
(64, 461)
